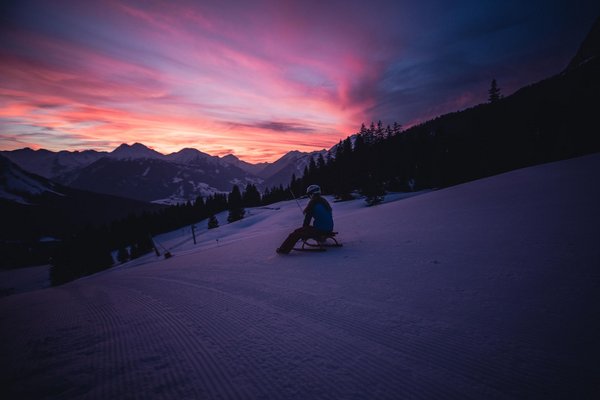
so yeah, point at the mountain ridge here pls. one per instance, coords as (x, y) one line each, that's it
(134, 151)
(186, 174)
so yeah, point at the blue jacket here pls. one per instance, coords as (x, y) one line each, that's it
(319, 209)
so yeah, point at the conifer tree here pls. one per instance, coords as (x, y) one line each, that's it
(320, 162)
(362, 136)
(312, 166)
(379, 131)
(213, 222)
(389, 132)
(397, 129)
(199, 208)
(494, 92)
(370, 134)
(123, 255)
(347, 146)
(236, 209)
(251, 197)
(373, 191)
(359, 142)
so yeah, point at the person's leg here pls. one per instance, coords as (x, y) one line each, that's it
(290, 241)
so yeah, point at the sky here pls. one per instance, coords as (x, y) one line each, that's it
(258, 78)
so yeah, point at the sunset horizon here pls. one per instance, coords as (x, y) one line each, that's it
(262, 80)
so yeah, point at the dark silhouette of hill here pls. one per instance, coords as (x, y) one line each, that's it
(551, 120)
(590, 47)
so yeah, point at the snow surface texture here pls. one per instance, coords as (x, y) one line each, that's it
(487, 290)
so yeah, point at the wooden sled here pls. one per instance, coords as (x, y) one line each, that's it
(318, 243)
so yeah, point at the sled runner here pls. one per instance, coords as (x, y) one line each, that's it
(318, 243)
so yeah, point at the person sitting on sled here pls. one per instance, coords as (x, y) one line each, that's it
(318, 209)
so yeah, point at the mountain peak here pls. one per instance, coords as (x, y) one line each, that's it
(135, 151)
(291, 155)
(255, 169)
(188, 155)
(230, 157)
(190, 150)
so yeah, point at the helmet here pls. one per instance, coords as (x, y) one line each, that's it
(313, 189)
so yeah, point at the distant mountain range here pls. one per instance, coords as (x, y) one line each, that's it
(140, 173)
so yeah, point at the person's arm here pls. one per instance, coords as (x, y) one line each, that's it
(308, 213)
(307, 219)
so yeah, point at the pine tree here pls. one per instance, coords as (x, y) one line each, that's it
(236, 209)
(143, 245)
(216, 203)
(199, 208)
(379, 131)
(213, 222)
(320, 162)
(370, 134)
(397, 129)
(373, 191)
(494, 92)
(359, 142)
(251, 197)
(123, 255)
(312, 166)
(362, 137)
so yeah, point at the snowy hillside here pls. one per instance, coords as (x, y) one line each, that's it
(487, 290)
(19, 186)
(156, 180)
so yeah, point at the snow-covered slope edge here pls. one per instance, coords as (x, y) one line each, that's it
(484, 290)
(18, 186)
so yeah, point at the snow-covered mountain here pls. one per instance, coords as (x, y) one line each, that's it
(486, 290)
(293, 163)
(138, 172)
(157, 179)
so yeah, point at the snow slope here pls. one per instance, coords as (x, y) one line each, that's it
(18, 186)
(487, 290)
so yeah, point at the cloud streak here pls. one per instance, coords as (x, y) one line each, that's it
(222, 76)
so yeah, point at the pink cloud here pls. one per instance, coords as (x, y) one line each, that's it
(199, 82)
